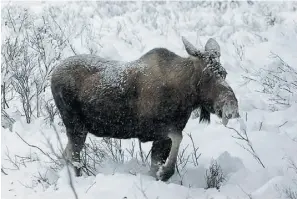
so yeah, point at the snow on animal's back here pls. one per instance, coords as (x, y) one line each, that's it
(111, 71)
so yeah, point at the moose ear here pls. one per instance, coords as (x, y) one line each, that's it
(191, 50)
(213, 46)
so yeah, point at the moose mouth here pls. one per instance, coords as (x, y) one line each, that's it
(225, 120)
(223, 116)
(226, 115)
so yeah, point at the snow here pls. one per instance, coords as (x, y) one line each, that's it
(124, 33)
(112, 70)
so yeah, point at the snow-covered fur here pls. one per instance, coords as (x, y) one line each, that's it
(150, 98)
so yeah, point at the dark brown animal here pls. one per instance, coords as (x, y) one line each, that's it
(150, 98)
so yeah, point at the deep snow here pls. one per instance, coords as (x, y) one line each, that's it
(124, 33)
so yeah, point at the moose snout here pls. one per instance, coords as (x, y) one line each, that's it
(230, 111)
(235, 115)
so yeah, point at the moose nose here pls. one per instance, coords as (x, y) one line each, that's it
(229, 116)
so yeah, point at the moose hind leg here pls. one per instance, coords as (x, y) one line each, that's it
(67, 154)
(167, 170)
(160, 152)
(76, 141)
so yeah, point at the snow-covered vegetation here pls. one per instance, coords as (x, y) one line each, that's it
(253, 157)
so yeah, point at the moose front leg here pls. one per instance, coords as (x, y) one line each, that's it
(167, 170)
(160, 153)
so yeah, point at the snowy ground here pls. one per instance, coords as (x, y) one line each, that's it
(125, 33)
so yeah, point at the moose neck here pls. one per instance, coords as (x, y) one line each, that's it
(194, 79)
(185, 82)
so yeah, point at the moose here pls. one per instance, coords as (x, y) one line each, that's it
(150, 98)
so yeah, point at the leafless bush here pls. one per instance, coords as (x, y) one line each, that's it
(114, 149)
(6, 121)
(240, 52)
(243, 136)
(270, 18)
(53, 157)
(30, 50)
(185, 158)
(214, 176)
(139, 41)
(18, 65)
(194, 155)
(42, 179)
(96, 151)
(6, 86)
(279, 81)
(181, 163)
(22, 84)
(47, 44)
(239, 49)
(65, 159)
(93, 155)
(51, 110)
(289, 192)
(16, 161)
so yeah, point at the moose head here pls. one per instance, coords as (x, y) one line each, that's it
(213, 93)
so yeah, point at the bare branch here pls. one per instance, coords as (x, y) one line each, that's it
(68, 170)
(2, 171)
(195, 155)
(244, 137)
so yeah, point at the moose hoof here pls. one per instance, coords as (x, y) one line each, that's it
(77, 169)
(77, 172)
(164, 173)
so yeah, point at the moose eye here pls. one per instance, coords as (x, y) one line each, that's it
(218, 54)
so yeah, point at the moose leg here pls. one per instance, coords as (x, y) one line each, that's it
(167, 170)
(76, 140)
(160, 152)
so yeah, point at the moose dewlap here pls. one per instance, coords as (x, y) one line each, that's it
(150, 98)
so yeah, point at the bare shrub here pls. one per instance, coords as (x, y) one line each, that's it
(65, 159)
(15, 161)
(279, 81)
(98, 150)
(185, 158)
(6, 86)
(242, 135)
(6, 120)
(42, 179)
(181, 163)
(31, 48)
(23, 85)
(114, 149)
(195, 155)
(93, 155)
(51, 110)
(18, 62)
(214, 176)
(289, 192)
